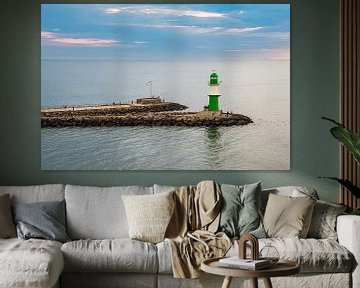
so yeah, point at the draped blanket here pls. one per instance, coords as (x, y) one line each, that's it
(191, 231)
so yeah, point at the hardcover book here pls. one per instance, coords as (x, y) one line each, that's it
(236, 262)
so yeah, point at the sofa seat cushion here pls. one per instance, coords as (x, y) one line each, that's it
(115, 255)
(30, 263)
(313, 255)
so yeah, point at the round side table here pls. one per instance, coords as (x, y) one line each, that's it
(281, 268)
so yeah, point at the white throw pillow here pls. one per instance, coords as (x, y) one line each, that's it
(149, 215)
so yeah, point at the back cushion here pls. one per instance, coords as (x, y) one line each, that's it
(98, 212)
(292, 191)
(36, 193)
(163, 188)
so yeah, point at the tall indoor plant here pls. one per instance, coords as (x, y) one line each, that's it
(351, 141)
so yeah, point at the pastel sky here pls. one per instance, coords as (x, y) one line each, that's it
(169, 32)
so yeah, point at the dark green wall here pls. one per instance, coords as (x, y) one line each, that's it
(314, 93)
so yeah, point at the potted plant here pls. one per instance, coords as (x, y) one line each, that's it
(351, 141)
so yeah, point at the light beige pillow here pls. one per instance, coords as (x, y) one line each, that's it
(288, 217)
(7, 226)
(149, 215)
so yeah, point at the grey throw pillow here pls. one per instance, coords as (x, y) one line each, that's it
(44, 220)
(7, 227)
(240, 213)
(323, 222)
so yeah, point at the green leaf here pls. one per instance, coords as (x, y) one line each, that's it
(333, 121)
(349, 139)
(348, 185)
(355, 211)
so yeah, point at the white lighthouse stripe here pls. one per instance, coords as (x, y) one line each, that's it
(214, 90)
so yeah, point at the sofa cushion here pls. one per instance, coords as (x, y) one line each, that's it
(43, 220)
(313, 255)
(287, 216)
(163, 188)
(149, 215)
(7, 226)
(323, 222)
(240, 210)
(30, 263)
(98, 213)
(291, 191)
(117, 255)
(36, 193)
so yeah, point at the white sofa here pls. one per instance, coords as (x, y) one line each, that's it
(101, 254)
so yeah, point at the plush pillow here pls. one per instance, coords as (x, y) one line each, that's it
(323, 222)
(149, 215)
(7, 226)
(44, 220)
(292, 191)
(288, 217)
(240, 210)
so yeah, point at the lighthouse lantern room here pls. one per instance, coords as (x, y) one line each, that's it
(214, 92)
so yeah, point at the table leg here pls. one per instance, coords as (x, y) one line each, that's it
(227, 282)
(267, 283)
(254, 282)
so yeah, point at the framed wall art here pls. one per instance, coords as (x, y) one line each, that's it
(165, 86)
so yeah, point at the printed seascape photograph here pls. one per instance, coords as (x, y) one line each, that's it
(165, 86)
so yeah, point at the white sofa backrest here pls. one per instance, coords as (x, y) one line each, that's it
(36, 193)
(163, 188)
(98, 212)
(294, 191)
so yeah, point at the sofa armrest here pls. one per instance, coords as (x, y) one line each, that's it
(348, 230)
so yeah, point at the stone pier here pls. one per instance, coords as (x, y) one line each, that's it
(161, 114)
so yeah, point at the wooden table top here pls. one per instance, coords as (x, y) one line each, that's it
(281, 268)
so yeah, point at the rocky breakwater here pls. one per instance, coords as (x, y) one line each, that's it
(137, 115)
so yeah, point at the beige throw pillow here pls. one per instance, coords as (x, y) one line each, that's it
(7, 226)
(149, 215)
(288, 217)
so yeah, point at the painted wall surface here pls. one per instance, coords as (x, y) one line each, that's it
(314, 93)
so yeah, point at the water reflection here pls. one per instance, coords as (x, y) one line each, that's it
(215, 146)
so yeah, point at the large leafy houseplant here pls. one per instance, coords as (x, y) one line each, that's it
(351, 141)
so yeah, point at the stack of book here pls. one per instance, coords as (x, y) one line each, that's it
(248, 264)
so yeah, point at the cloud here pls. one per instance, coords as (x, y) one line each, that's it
(141, 42)
(184, 28)
(264, 53)
(86, 41)
(53, 37)
(278, 35)
(241, 30)
(277, 54)
(164, 11)
(113, 10)
(48, 35)
(191, 29)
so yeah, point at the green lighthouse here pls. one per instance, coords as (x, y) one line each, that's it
(214, 92)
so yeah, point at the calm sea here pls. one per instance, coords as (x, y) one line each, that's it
(258, 89)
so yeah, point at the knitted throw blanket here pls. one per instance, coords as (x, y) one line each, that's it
(191, 231)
